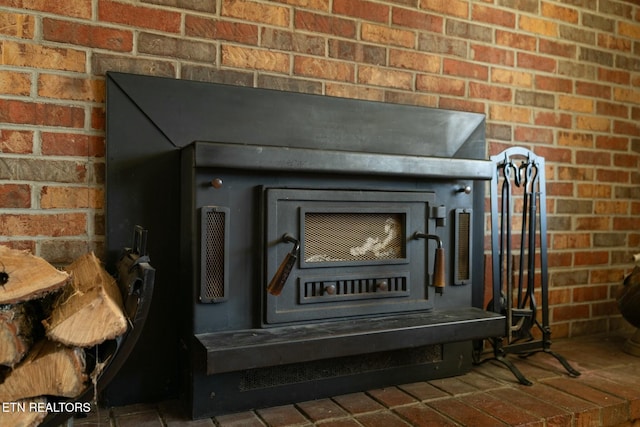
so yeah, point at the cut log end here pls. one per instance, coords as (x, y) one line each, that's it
(90, 310)
(27, 276)
(51, 369)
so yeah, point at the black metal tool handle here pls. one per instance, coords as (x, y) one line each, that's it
(282, 274)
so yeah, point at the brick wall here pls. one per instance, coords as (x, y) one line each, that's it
(562, 77)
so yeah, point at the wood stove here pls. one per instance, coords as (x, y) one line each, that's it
(325, 245)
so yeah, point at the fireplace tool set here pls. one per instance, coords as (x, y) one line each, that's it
(518, 198)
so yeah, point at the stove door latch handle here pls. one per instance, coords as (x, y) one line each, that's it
(439, 263)
(280, 278)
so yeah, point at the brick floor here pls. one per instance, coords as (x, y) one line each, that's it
(606, 394)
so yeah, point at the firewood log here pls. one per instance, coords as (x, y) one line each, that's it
(23, 413)
(24, 276)
(89, 310)
(50, 368)
(16, 332)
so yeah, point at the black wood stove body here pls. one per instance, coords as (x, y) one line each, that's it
(325, 245)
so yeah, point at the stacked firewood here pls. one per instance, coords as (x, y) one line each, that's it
(48, 318)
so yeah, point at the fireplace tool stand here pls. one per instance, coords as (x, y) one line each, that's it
(518, 198)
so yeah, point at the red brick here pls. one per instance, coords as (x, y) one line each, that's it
(71, 198)
(65, 144)
(572, 312)
(511, 77)
(462, 105)
(340, 27)
(252, 11)
(87, 35)
(17, 25)
(362, 9)
(610, 42)
(321, 409)
(423, 416)
(44, 57)
(625, 160)
(354, 91)
(604, 108)
(558, 120)
(593, 158)
(281, 415)
(614, 76)
(591, 191)
(378, 76)
(608, 175)
(15, 83)
(502, 410)
(19, 112)
(241, 419)
(536, 25)
(381, 419)
(536, 62)
(416, 19)
(351, 51)
(553, 415)
(492, 92)
(74, 8)
(53, 225)
(139, 16)
(534, 135)
(575, 139)
(554, 84)
(457, 8)
(492, 55)
(358, 403)
(516, 40)
(15, 196)
(259, 59)
(16, 141)
(386, 35)
(566, 14)
(322, 68)
(464, 414)
(626, 128)
(287, 40)
(571, 241)
(207, 28)
(64, 87)
(443, 85)
(509, 113)
(422, 391)
(454, 386)
(555, 48)
(458, 68)
(613, 409)
(591, 123)
(592, 293)
(592, 223)
(414, 61)
(391, 396)
(493, 16)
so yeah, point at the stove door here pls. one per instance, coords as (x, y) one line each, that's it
(356, 253)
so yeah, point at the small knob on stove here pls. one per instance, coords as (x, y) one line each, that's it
(216, 183)
(466, 189)
(382, 285)
(330, 289)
